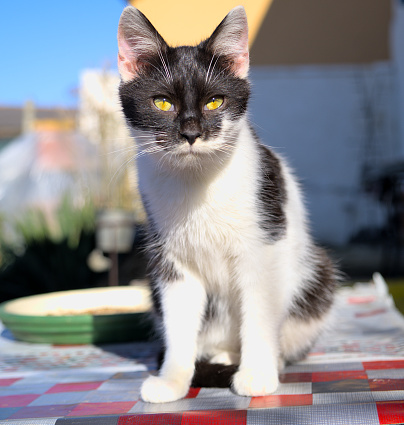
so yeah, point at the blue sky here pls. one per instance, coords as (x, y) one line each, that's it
(45, 44)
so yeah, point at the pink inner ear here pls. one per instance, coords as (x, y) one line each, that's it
(127, 63)
(242, 61)
(127, 69)
(241, 65)
(238, 48)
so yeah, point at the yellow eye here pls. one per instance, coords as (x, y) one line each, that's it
(214, 103)
(163, 104)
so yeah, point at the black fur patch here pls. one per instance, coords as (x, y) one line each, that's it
(272, 196)
(207, 375)
(160, 271)
(210, 309)
(194, 78)
(318, 295)
(160, 268)
(213, 375)
(159, 265)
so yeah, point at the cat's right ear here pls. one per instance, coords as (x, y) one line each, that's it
(230, 40)
(138, 43)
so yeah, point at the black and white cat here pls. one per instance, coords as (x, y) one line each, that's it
(235, 276)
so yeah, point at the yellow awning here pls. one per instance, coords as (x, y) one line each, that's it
(187, 22)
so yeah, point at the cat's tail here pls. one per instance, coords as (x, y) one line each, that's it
(208, 375)
(212, 375)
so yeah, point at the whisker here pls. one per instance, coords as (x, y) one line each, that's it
(168, 76)
(124, 149)
(119, 172)
(164, 158)
(213, 68)
(207, 74)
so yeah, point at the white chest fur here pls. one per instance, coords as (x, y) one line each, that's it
(204, 220)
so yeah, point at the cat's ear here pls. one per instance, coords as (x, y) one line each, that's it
(138, 43)
(230, 40)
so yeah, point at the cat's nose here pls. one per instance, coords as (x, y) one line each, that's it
(191, 136)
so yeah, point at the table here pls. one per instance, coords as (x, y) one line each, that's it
(354, 375)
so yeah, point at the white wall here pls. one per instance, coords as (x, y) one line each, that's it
(327, 121)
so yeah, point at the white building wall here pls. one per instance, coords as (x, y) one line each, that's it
(329, 121)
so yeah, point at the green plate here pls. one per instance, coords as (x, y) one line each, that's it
(86, 316)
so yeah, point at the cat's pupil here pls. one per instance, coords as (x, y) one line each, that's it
(163, 104)
(214, 103)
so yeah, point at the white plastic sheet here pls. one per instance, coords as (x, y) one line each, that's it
(39, 168)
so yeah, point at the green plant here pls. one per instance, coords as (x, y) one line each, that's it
(47, 253)
(67, 223)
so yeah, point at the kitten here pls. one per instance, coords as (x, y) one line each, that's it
(235, 276)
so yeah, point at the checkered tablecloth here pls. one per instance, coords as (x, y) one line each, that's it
(354, 375)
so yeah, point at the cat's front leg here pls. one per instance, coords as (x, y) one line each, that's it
(259, 329)
(183, 305)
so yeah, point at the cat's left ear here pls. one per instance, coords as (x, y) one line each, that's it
(230, 40)
(138, 43)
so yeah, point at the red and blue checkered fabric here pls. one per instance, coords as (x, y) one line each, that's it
(355, 375)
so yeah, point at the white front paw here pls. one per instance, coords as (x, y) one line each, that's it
(156, 389)
(250, 382)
